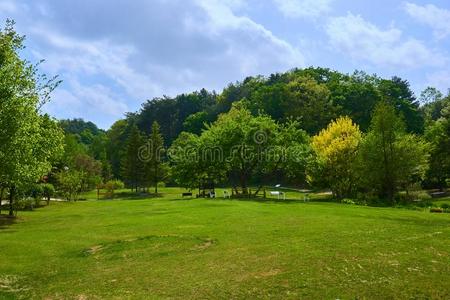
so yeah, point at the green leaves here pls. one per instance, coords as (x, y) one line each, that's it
(240, 147)
(336, 148)
(389, 157)
(29, 142)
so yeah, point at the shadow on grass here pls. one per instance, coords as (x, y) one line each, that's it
(265, 200)
(132, 196)
(6, 221)
(418, 220)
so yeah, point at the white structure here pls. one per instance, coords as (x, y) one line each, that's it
(278, 194)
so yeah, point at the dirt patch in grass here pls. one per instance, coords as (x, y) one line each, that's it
(156, 244)
(205, 245)
(94, 249)
(269, 273)
(12, 284)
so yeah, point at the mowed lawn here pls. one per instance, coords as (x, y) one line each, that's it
(199, 248)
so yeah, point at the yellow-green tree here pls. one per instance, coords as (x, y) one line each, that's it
(336, 148)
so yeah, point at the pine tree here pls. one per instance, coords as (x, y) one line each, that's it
(156, 148)
(132, 166)
(391, 158)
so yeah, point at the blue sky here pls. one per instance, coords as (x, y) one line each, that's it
(114, 55)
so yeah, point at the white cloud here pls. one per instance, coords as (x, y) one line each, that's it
(364, 41)
(94, 102)
(437, 18)
(440, 80)
(167, 48)
(303, 8)
(78, 57)
(253, 47)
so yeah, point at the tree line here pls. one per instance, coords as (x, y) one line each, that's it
(360, 135)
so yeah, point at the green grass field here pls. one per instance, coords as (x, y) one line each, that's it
(213, 248)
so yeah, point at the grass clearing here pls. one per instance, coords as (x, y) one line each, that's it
(171, 247)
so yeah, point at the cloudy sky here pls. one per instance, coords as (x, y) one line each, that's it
(114, 54)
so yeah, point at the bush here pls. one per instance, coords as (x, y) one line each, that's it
(445, 206)
(436, 210)
(423, 196)
(370, 199)
(24, 204)
(426, 203)
(161, 184)
(111, 186)
(49, 191)
(348, 201)
(36, 192)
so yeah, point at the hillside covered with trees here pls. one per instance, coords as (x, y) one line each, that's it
(360, 135)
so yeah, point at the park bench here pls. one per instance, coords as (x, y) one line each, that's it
(187, 194)
(278, 194)
(438, 194)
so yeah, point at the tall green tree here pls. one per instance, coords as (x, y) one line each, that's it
(90, 171)
(29, 141)
(132, 165)
(240, 148)
(390, 158)
(153, 156)
(397, 92)
(437, 134)
(188, 168)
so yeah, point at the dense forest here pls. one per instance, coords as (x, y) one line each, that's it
(312, 98)
(357, 134)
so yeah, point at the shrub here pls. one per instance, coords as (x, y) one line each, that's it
(370, 199)
(48, 191)
(348, 201)
(36, 192)
(422, 195)
(161, 184)
(113, 185)
(426, 203)
(24, 204)
(436, 210)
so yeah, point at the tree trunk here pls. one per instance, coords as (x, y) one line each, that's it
(12, 191)
(1, 198)
(244, 184)
(156, 179)
(257, 190)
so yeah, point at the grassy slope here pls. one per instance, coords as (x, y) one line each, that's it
(224, 249)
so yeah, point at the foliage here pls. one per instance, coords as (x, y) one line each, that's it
(29, 141)
(115, 146)
(113, 185)
(238, 147)
(89, 169)
(437, 134)
(79, 126)
(189, 168)
(389, 157)
(336, 148)
(132, 166)
(70, 183)
(48, 191)
(152, 157)
(398, 94)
